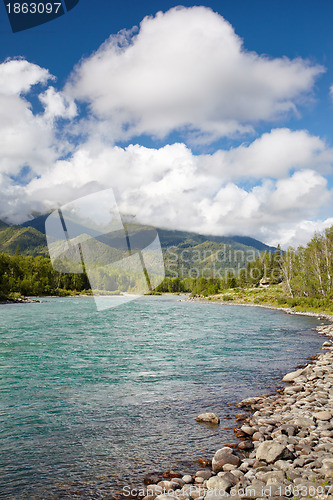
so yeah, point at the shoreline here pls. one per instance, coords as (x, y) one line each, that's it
(284, 445)
(286, 310)
(24, 300)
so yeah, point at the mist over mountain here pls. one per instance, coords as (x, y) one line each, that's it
(184, 252)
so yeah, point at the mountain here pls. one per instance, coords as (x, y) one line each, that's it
(184, 239)
(185, 254)
(3, 225)
(37, 223)
(27, 239)
(179, 238)
(252, 242)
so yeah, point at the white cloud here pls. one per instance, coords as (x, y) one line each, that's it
(274, 154)
(261, 209)
(299, 234)
(187, 69)
(300, 194)
(17, 76)
(28, 139)
(167, 187)
(25, 140)
(57, 104)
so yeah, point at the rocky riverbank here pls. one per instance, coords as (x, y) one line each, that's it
(285, 447)
(25, 300)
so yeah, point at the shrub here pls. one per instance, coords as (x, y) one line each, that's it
(259, 300)
(293, 302)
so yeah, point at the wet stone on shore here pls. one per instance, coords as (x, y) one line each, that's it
(209, 418)
(285, 449)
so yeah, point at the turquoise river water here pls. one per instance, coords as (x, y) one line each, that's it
(90, 402)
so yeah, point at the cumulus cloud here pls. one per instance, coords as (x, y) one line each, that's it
(167, 187)
(17, 76)
(28, 138)
(273, 154)
(296, 234)
(57, 104)
(24, 140)
(261, 209)
(187, 69)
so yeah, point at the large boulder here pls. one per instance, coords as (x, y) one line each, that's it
(290, 377)
(323, 415)
(247, 429)
(205, 474)
(209, 418)
(219, 484)
(249, 401)
(271, 451)
(245, 445)
(222, 457)
(304, 422)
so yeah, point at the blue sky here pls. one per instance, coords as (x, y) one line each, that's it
(214, 118)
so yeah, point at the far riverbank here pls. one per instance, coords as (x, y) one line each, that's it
(217, 300)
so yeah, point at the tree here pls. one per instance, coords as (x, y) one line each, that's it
(288, 268)
(275, 274)
(231, 280)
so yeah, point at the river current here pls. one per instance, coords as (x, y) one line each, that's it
(92, 401)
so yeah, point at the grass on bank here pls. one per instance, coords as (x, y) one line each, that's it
(273, 296)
